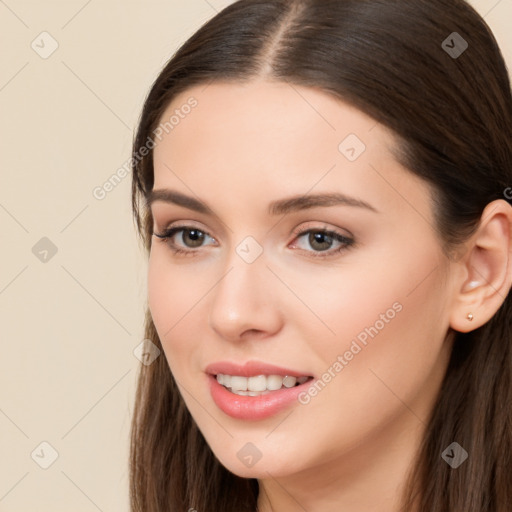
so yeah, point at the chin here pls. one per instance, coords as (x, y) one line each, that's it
(273, 465)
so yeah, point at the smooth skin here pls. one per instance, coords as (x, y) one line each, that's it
(242, 147)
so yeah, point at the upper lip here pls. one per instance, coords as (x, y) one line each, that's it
(251, 369)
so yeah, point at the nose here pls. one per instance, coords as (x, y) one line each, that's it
(244, 302)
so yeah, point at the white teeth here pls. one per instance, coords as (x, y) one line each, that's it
(259, 384)
(274, 382)
(239, 383)
(289, 381)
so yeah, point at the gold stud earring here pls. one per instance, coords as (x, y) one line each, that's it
(470, 316)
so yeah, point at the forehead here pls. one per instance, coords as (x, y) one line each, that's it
(259, 107)
(279, 136)
(266, 123)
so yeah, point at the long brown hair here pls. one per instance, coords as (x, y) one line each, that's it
(447, 98)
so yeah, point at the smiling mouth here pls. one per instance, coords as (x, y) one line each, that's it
(259, 384)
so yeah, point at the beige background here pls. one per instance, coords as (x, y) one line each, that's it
(70, 324)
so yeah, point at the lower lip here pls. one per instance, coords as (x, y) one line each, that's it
(254, 407)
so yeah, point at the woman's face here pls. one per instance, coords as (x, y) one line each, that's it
(363, 310)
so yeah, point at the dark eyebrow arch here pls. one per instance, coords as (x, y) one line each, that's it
(279, 207)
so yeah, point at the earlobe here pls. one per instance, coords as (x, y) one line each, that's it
(487, 269)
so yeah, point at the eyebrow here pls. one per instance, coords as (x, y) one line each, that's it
(279, 207)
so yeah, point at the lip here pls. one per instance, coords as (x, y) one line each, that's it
(253, 407)
(251, 369)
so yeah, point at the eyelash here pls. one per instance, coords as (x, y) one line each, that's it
(345, 241)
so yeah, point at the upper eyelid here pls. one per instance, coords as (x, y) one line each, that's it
(296, 232)
(182, 226)
(190, 224)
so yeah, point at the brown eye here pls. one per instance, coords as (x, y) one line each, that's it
(191, 238)
(195, 236)
(320, 240)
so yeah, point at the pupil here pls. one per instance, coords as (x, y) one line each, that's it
(196, 236)
(320, 238)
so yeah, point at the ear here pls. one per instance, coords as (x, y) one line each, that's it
(485, 269)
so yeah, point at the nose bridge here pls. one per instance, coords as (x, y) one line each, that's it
(241, 299)
(240, 288)
(245, 270)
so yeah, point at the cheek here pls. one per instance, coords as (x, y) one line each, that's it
(161, 293)
(393, 372)
(176, 299)
(170, 297)
(389, 325)
(375, 296)
(386, 318)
